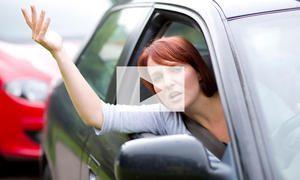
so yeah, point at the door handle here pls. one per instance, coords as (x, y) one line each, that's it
(93, 166)
(92, 161)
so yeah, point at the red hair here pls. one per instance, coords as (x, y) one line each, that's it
(178, 49)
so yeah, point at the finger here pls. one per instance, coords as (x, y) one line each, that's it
(40, 23)
(44, 28)
(33, 21)
(27, 19)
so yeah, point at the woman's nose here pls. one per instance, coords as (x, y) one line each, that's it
(168, 81)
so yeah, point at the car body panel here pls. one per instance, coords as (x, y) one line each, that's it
(60, 141)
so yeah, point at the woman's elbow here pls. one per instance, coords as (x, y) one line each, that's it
(88, 123)
(97, 123)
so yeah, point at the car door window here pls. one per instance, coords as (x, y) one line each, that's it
(100, 57)
(97, 64)
(269, 57)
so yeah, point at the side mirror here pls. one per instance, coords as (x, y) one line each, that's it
(167, 157)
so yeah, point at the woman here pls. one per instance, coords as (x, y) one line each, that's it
(201, 99)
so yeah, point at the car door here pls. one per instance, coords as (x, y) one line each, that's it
(110, 45)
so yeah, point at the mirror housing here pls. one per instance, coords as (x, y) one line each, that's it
(167, 157)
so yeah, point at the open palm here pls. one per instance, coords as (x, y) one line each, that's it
(40, 33)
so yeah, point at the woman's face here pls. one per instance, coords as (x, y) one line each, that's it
(176, 85)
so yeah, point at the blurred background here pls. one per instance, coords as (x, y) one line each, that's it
(28, 72)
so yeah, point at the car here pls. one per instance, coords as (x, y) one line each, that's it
(252, 49)
(27, 72)
(23, 94)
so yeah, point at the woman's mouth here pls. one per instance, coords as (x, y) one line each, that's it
(174, 95)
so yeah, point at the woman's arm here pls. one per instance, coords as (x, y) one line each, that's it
(85, 100)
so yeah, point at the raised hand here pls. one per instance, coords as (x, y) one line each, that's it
(78, 88)
(40, 33)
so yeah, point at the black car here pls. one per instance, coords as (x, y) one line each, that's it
(251, 47)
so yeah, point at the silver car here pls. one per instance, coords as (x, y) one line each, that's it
(251, 47)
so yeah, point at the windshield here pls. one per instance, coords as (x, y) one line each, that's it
(72, 19)
(268, 51)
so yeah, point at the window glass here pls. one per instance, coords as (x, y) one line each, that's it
(98, 61)
(268, 51)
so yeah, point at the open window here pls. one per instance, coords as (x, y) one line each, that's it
(167, 23)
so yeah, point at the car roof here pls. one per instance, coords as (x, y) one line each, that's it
(234, 8)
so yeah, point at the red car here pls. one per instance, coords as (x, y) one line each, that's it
(27, 70)
(26, 73)
(23, 90)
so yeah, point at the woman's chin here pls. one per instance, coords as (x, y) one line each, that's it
(178, 107)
